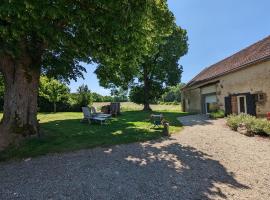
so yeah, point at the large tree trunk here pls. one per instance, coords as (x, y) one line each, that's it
(20, 101)
(146, 105)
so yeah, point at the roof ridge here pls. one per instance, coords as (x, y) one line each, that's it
(235, 55)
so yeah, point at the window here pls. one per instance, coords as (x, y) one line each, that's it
(261, 97)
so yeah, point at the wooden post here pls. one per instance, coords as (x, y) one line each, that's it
(166, 131)
(115, 108)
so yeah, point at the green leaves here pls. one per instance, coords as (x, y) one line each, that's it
(159, 69)
(83, 96)
(52, 90)
(112, 33)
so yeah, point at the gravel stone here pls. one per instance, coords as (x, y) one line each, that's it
(205, 161)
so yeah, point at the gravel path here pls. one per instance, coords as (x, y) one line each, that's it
(205, 161)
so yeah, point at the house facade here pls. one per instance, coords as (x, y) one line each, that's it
(237, 84)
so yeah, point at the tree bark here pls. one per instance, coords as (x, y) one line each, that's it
(146, 105)
(20, 100)
(54, 107)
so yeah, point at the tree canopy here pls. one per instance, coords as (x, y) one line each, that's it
(66, 33)
(157, 71)
(53, 90)
(84, 96)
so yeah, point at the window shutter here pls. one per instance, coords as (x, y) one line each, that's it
(228, 105)
(251, 104)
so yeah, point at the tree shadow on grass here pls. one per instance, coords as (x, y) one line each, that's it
(152, 170)
(70, 134)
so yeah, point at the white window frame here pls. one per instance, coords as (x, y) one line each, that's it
(238, 103)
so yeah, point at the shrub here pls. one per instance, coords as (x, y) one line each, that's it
(168, 103)
(266, 129)
(217, 114)
(253, 124)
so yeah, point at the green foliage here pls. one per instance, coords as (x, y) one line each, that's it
(253, 124)
(53, 90)
(107, 99)
(83, 96)
(137, 93)
(173, 93)
(119, 95)
(217, 114)
(61, 35)
(158, 69)
(169, 103)
(97, 97)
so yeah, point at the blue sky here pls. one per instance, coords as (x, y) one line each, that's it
(216, 29)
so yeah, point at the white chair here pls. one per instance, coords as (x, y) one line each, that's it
(87, 116)
(100, 114)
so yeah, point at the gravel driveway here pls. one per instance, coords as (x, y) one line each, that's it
(205, 161)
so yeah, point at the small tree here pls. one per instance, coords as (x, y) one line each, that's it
(52, 90)
(173, 93)
(84, 97)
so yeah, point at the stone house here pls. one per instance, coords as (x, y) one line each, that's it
(237, 84)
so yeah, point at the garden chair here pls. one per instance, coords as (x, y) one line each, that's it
(87, 116)
(99, 114)
(156, 120)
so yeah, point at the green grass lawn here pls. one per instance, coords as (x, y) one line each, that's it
(63, 132)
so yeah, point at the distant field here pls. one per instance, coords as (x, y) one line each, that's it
(129, 106)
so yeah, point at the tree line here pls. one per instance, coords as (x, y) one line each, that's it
(55, 96)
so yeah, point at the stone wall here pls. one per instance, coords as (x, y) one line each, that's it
(254, 79)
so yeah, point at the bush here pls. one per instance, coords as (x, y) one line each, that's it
(217, 114)
(253, 125)
(168, 103)
(266, 129)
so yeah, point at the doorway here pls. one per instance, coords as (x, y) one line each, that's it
(210, 103)
(242, 104)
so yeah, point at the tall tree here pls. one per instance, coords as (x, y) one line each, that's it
(157, 70)
(83, 96)
(52, 90)
(55, 37)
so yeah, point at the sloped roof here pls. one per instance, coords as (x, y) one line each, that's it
(255, 53)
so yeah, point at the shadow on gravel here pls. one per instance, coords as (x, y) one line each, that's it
(135, 171)
(177, 172)
(193, 120)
